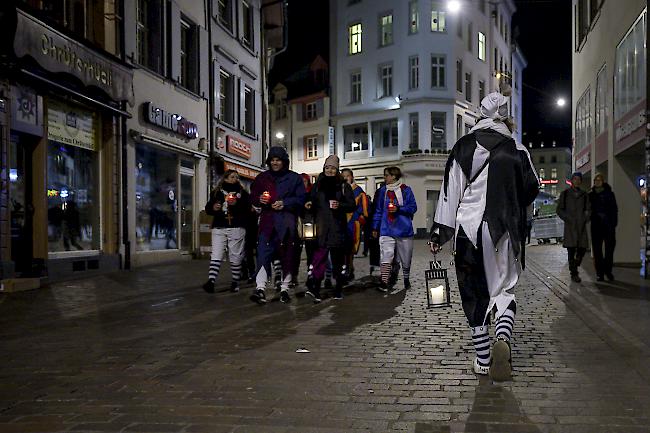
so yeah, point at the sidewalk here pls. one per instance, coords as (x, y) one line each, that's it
(149, 351)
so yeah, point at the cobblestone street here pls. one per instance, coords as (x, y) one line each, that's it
(150, 351)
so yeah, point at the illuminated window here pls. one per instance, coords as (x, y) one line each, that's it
(414, 17)
(354, 37)
(414, 72)
(437, 17)
(481, 46)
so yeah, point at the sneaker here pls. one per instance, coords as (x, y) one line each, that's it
(393, 279)
(610, 276)
(259, 296)
(234, 287)
(284, 297)
(383, 287)
(338, 294)
(480, 369)
(576, 278)
(407, 283)
(501, 368)
(314, 295)
(209, 286)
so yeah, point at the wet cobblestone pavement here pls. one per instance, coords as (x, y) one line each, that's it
(150, 351)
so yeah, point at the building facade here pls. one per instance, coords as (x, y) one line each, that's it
(407, 79)
(553, 166)
(609, 102)
(64, 93)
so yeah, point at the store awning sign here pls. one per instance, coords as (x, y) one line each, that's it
(238, 147)
(57, 53)
(172, 122)
(71, 125)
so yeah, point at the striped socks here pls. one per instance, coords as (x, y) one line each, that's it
(215, 265)
(277, 271)
(385, 272)
(505, 324)
(481, 340)
(235, 269)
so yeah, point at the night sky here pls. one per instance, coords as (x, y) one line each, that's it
(544, 35)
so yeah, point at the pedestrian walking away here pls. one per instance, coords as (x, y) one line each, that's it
(229, 206)
(573, 209)
(489, 181)
(330, 200)
(356, 220)
(279, 194)
(393, 224)
(604, 219)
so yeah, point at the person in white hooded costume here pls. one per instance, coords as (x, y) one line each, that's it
(489, 182)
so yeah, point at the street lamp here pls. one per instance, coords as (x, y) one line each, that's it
(561, 102)
(453, 6)
(279, 135)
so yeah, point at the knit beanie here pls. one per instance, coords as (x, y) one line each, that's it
(332, 160)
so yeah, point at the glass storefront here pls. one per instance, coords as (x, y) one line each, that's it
(156, 199)
(73, 205)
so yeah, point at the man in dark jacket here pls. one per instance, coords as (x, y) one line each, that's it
(604, 218)
(279, 194)
(573, 209)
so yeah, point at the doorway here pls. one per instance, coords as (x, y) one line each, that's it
(187, 205)
(21, 202)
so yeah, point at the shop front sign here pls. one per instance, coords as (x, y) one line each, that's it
(238, 147)
(173, 122)
(57, 53)
(246, 172)
(582, 161)
(71, 125)
(625, 129)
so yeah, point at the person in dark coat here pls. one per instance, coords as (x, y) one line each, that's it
(331, 199)
(374, 253)
(250, 245)
(229, 206)
(604, 218)
(573, 209)
(310, 245)
(279, 194)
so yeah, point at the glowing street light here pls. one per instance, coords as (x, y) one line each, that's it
(453, 6)
(279, 135)
(561, 102)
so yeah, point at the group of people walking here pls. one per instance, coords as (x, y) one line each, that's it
(263, 232)
(489, 185)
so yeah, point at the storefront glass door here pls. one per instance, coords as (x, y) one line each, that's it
(20, 202)
(187, 207)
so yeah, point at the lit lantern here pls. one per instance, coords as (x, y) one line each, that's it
(308, 230)
(391, 207)
(266, 196)
(437, 285)
(231, 198)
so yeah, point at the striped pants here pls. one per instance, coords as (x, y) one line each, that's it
(231, 239)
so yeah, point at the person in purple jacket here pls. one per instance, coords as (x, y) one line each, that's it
(393, 224)
(279, 196)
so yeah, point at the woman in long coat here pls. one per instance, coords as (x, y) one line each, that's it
(331, 199)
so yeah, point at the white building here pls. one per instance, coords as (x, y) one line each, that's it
(609, 71)
(407, 78)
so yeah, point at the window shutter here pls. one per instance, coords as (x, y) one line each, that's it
(242, 105)
(130, 25)
(322, 151)
(298, 112)
(175, 41)
(216, 106)
(204, 67)
(320, 108)
(301, 149)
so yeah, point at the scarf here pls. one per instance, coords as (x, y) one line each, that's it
(394, 190)
(497, 126)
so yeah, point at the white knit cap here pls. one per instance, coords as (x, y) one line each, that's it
(494, 106)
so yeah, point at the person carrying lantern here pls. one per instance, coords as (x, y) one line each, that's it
(229, 206)
(488, 184)
(395, 207)
(279, 194)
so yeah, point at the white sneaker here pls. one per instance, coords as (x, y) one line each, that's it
(480, 369)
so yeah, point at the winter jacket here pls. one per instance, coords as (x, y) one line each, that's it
(573, 209)
(286, 186)
(400, 224)
(604, 211)
(331, 224)
(230, 216)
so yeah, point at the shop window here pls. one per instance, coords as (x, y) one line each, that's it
(355, 137)
(156, 202)
(72, 198)
(189, 56)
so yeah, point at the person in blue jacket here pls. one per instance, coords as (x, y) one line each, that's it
(393, 224)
